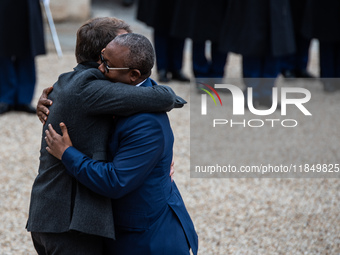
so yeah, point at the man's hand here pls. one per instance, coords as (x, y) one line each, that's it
(43, 103)
(172, 170)
(56, 143)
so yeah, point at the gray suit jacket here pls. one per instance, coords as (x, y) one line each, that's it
(85, 102)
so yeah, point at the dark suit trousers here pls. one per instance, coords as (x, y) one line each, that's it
(169, 51)
(17, 80)
(298, 60)
(204, 67)
(261, 67)
(329, 60)
(68, 243)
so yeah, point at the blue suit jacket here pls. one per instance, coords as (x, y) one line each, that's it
(149, 213)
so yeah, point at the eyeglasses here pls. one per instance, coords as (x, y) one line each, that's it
(107, 68)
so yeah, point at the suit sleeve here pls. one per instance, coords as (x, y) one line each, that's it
(141, 146)
(104, 97)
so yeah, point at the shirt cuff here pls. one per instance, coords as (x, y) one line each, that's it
(68, 157)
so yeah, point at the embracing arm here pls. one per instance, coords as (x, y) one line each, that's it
(43, 104)
(104, 97)
(137, 155)
(119, 99)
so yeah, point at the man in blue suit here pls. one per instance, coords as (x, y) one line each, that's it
(65, 217)
(149, 213)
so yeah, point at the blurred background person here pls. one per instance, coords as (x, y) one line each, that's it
(295, 65)
(322, 21)
(200, 21)
(169, 50)
(22, 39)
(262, 32)
(127, 3)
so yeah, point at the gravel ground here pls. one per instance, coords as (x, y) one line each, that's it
(232, 216)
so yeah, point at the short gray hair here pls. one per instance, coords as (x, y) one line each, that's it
(141, 55)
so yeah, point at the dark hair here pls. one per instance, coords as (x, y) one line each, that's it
(141, 53)
(95, 34)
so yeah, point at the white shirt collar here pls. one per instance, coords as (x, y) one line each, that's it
(140, 83)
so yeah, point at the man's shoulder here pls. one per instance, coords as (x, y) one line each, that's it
(141, 120)
(80, 78)
(81, 72)
(89, 71)
(146, 115)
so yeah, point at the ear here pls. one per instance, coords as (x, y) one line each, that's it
(135, 75)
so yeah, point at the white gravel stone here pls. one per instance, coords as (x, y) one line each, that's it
(232, 216)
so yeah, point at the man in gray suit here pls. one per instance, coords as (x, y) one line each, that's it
(65, 217)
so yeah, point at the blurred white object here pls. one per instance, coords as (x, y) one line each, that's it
(46, 2)
(48, 13)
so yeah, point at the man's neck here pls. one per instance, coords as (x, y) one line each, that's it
(137, 85)
(139, 81)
